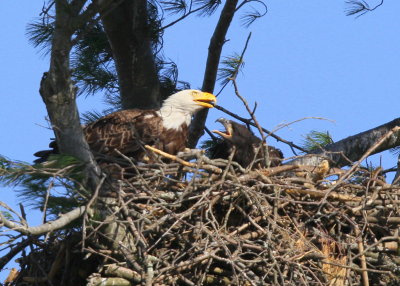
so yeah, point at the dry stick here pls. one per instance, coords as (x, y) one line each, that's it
(21, 218)
(59, 173)
(183, 162)
(14, 251)
(89, 204)
(60, 222)
(281, 126)
(351, 170)
(363, 260)
(360, 245)
(228, 166)
(357, 268)
(139, 236)
(169, 156)
(58, 261)
(236, 71)
(122, 272)
(312, 192)
(233, 79)
(244, 101)
(188, 264)
(46, 200)
(142, 180)
(91, 250)
(382, 240)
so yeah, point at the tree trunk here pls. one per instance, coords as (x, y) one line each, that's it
(129, 35)
(59, 93)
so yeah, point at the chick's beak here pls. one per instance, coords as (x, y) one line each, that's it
(205, 99)
(228, 128)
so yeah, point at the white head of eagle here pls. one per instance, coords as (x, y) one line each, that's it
(179, 108)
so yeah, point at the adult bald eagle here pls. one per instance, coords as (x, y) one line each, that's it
(129, 130)
(245, 143)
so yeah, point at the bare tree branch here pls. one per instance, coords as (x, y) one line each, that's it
(214, 54)
(352, 148)
(61, 222)
(270, 133)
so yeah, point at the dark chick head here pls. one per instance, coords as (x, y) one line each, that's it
(239, 137)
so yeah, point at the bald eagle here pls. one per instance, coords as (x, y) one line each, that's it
(245, 143)
(129, 130)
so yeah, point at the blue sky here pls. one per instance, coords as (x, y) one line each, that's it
(305, 58)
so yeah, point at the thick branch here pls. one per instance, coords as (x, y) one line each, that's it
(61, 222)
(210, 76)
(352, 148)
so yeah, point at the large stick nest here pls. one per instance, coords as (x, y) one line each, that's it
(209, 222)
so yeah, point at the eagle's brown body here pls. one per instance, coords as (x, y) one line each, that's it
(129, 130)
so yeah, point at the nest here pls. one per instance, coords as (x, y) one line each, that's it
(196, 221)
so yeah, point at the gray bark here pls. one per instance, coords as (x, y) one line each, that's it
(59, 223)
(59, 93)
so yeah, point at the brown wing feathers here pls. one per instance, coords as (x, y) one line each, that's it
(127, 131)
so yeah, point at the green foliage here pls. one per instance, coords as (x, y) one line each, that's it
(208, 6)
(91, 116)
(364, 172)
(154, 26)
(230, 66)
(253, 14)
(208, 146)
(184, 8)
(216, 148)
(54, 185)
(316, 140)
(395, 151)
(92, 62)
(168, 75)
(40, 33)
(7, 215)
(175, 6)
(359, 7)
(356, 7)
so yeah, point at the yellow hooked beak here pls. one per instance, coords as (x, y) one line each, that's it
(205, 99)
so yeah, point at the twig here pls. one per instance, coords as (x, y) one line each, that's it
(247, 121)
(355, 166)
